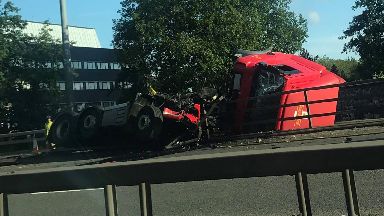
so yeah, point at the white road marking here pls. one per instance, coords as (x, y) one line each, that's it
(91, 189)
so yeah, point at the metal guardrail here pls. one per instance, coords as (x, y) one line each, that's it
(260, 109)
(25, 137)
(295, 161)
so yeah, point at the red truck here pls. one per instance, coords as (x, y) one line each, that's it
(271, 91)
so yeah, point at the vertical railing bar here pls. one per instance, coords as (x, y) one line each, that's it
(110, 200)
(308, 110)
(282, 114)
(354, 192)
(4, 211)
(303, 194)
(306, 194)
(145, 199)
(350, 192)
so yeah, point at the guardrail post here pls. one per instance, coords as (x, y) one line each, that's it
(145, 199)
(303, 194)
(110, 200)
(350, 193)
(308, 110)
(4, 205)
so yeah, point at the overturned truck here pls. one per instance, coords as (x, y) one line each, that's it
(271, 91)
(153, 119)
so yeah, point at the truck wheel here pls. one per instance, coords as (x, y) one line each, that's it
(61, 132)
(89, 124)
(148, 124)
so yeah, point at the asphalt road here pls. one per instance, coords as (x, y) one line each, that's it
(253, 196)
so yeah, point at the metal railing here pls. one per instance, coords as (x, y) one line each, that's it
(362, 106)
(26, 137)
(295, 161)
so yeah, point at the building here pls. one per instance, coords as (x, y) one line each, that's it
(79, 36)
(96, 69)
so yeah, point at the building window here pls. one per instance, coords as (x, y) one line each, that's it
(76, 65)
(102, 66)
(91, 85)
(125, 85)
(48, 65)
(59, 65)
(89, 65)
(61, 86)
(78, 86)
(114, 66)
(105, 85)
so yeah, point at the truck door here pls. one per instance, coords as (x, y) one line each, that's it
(264, 101)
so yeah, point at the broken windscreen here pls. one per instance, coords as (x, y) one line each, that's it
(268, 82)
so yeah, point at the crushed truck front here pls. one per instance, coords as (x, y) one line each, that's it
(266, 84)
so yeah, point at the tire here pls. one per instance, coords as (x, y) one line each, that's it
(62, 129)
(148, 124)
(89, 124)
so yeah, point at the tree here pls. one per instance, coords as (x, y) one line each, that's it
(305, 54)
(346, 68)
(29, 67)
(191, 43)
(365, 34)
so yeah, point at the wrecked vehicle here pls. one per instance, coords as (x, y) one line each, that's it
(150, 118)
(271, 91)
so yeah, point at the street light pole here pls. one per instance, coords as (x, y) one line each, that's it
(67, 54)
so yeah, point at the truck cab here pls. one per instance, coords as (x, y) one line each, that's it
(278, 91)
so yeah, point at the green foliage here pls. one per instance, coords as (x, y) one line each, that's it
(366, 37)
(305, 54)
(27, 86)
(191, 43)
(344, 68)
